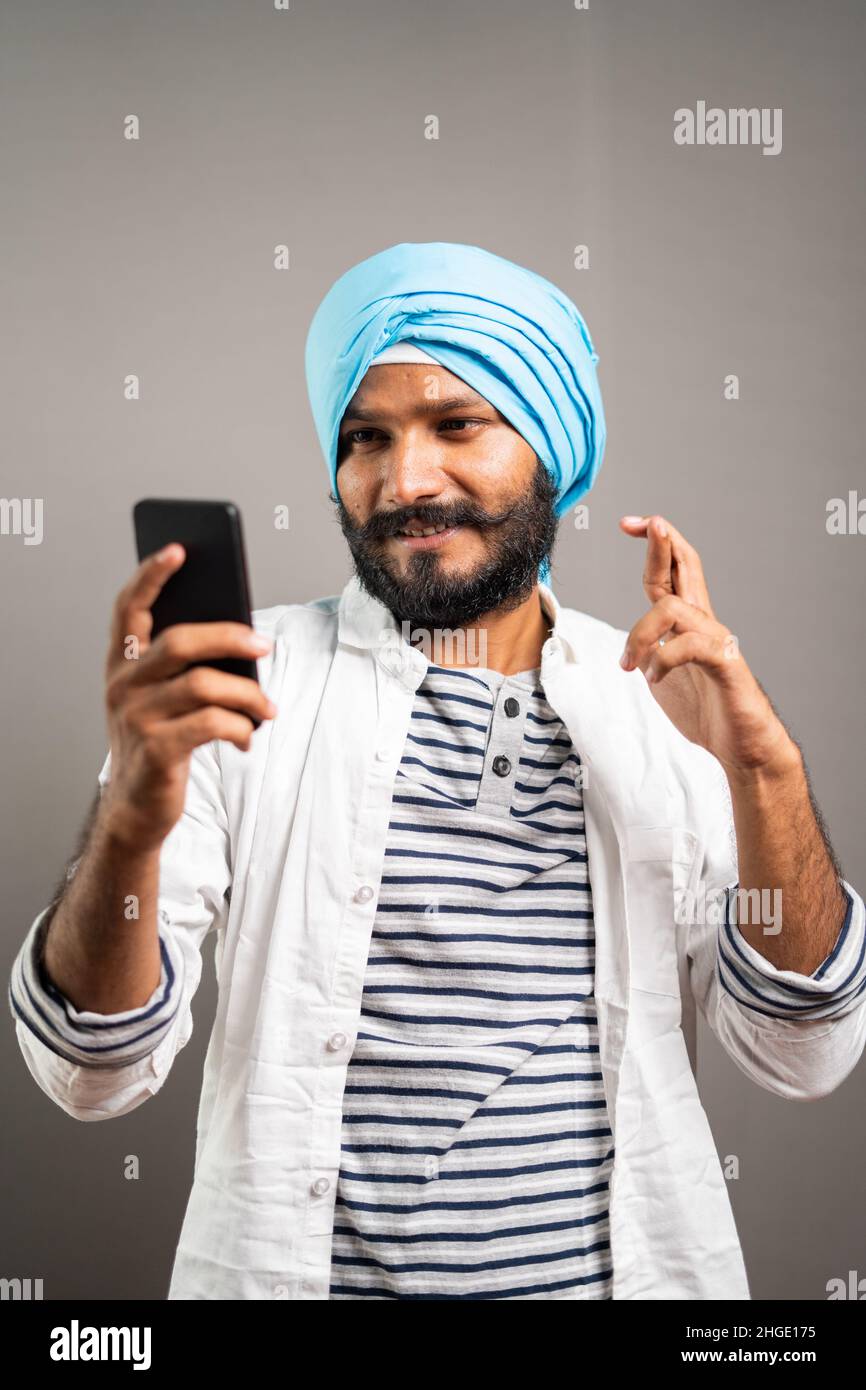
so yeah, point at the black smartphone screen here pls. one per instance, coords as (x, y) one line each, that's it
(211, 585)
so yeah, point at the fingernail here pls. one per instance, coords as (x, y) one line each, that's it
(650, 674)
(165, 552)
(624, 660)
(259, 644)
(632, 520)
(663, 530)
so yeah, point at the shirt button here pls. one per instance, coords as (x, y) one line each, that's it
(511, 707)
(501, 766)
(337, 1041)
(364, 894)
(431, 1167)
(320, 1186)
(382, 754)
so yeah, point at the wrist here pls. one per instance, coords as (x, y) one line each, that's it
(783, 766)
(123, 834)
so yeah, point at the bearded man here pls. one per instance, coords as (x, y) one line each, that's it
(473, 877)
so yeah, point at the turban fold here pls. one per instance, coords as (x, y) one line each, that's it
(511, 335)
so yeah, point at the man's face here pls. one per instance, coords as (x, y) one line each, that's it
(419, 448)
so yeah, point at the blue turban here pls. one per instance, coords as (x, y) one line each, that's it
(508, 333)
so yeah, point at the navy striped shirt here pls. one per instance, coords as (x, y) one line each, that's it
(477, 1149)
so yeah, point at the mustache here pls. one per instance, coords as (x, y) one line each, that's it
(385, 524)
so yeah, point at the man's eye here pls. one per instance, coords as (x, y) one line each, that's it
(457, 425)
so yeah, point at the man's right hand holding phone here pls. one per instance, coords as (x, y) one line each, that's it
(159, 711)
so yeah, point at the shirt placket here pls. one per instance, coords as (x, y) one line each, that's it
(504, 748)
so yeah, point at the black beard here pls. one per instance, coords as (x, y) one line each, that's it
(518, 540)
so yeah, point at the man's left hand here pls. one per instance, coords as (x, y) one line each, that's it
(693, 662)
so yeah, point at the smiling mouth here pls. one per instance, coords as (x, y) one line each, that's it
(425, 538)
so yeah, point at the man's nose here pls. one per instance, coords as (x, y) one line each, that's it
(413, 470)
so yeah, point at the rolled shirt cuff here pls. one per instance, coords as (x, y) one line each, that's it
(834, 988)
(83, 1036)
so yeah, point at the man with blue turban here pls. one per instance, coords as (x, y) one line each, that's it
(511, 335)
(474, 876)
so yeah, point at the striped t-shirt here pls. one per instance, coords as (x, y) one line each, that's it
(476, 1148)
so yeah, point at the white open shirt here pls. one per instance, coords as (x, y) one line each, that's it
(280, 852)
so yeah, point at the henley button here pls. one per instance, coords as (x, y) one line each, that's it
(501, 766)
(511, 707)
(337, 1041)
(320, 1186)
(364, 894)
(382, 754)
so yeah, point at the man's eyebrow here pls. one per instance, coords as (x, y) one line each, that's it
(471, 400)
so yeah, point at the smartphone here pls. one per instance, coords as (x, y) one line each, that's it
(211, 585)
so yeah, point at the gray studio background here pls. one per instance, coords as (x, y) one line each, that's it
(155, 257)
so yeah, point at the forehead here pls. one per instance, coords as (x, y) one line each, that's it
(405, 385)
